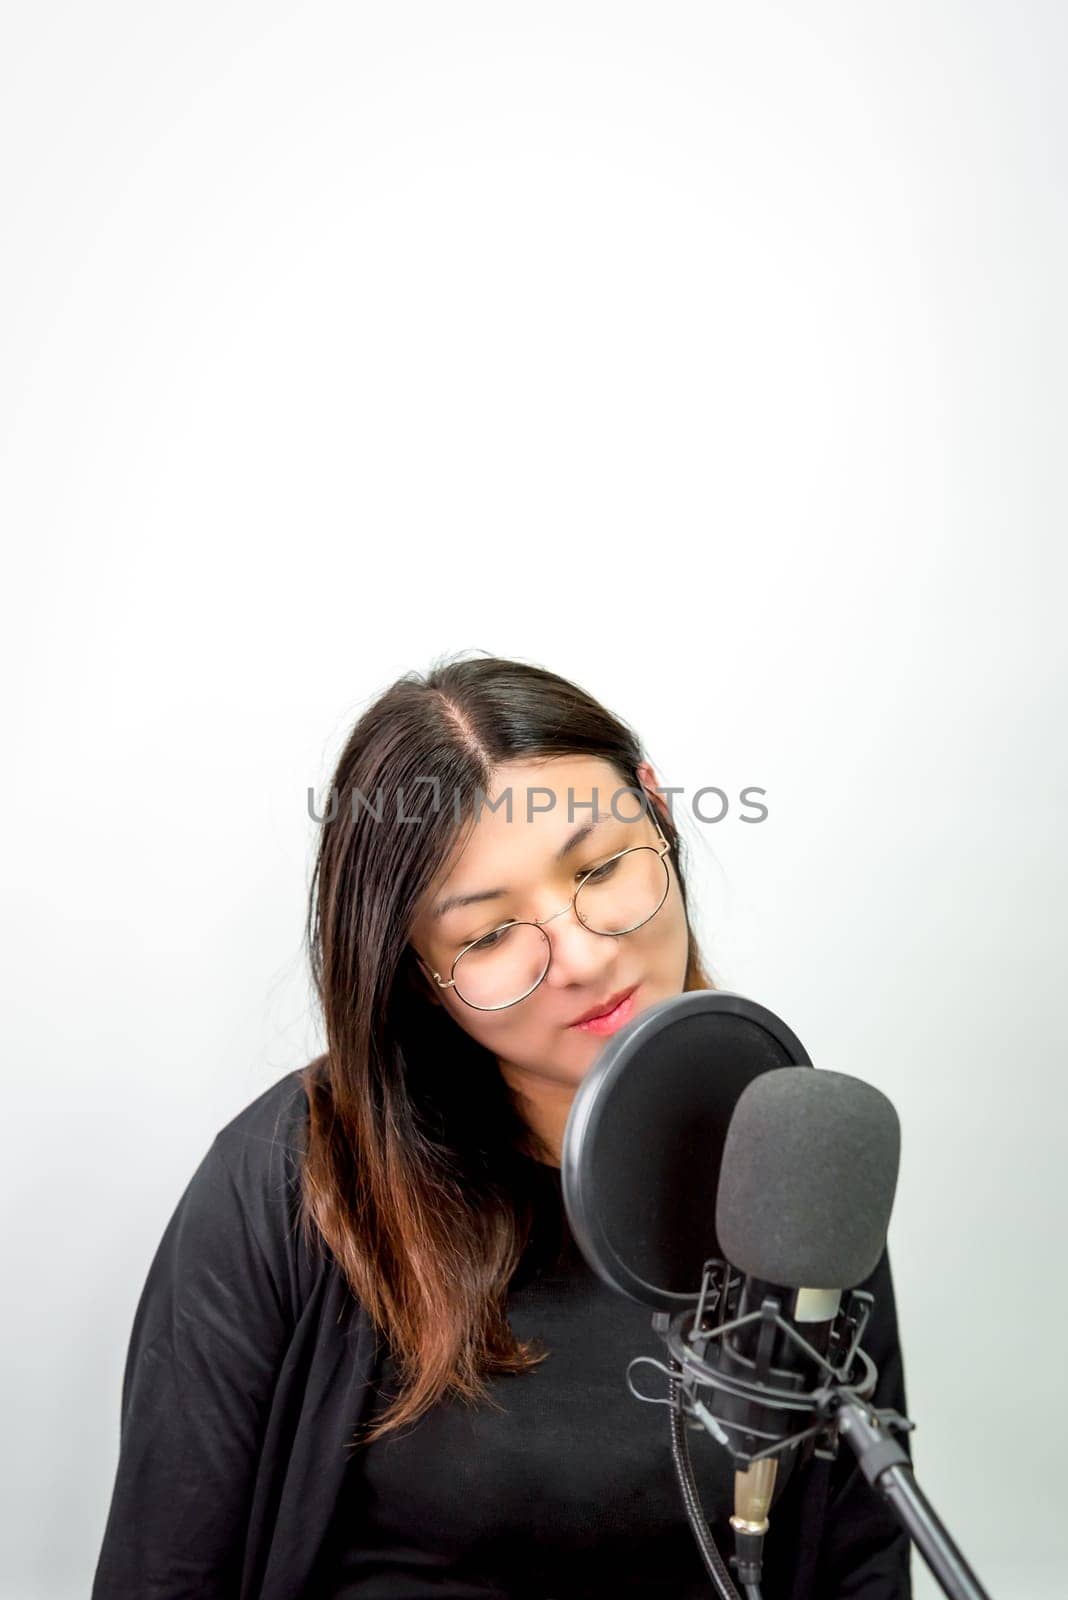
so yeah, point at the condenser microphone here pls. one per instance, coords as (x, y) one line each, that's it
(806, 1187)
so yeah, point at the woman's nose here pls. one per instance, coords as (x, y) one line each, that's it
(577, 954)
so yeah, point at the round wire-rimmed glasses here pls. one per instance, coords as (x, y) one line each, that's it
(649, 888)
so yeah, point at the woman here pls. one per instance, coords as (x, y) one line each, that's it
(368, 1359)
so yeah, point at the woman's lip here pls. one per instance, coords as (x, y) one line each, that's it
(610, 1020)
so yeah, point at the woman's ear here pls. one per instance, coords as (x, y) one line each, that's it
(651, 784)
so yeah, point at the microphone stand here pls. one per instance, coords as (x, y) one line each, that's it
(888, 1469)
(837, 1409)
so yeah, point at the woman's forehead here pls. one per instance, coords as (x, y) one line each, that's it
(549, 803)
(528, 805)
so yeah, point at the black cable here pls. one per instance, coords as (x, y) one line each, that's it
(680, 1451)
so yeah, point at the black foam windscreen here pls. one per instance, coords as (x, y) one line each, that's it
(641, 1153)
(807, 1180)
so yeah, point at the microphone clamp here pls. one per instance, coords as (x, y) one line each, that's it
(767, 1401)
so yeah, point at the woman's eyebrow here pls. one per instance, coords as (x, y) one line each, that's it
(455, 901)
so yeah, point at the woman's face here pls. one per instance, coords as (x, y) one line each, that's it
(536, 1041)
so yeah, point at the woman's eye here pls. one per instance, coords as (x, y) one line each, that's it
(489, 941)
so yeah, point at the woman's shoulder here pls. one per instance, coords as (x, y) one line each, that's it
(272, 1129)
(255, 1162)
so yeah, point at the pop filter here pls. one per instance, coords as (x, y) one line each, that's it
(641, 1152)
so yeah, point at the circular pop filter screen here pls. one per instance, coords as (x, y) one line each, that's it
(644, 1139)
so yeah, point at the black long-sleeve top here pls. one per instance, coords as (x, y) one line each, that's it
(251, 1366)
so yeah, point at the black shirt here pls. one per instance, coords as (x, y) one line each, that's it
(568, 1490)
(250, 1365)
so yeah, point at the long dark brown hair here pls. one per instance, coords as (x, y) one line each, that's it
(413, 1174)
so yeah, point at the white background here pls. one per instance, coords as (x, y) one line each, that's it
(712, 355)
